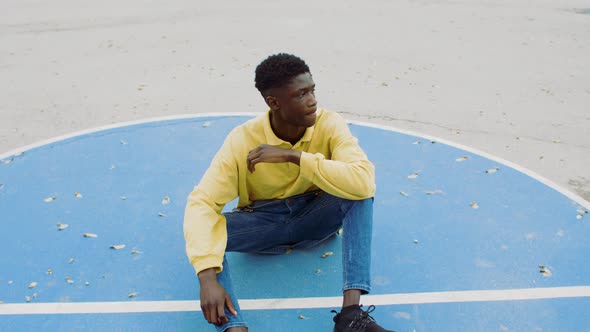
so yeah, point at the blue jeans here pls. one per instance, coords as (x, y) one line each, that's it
(302, 221)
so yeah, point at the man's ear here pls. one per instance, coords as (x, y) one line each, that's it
(272, 102)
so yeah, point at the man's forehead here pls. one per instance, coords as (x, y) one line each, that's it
(300, 81)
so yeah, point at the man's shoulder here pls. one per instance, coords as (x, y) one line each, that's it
(254, 123)
(246, 130)
(329, 119)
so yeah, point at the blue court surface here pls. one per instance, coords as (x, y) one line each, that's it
(462, 242)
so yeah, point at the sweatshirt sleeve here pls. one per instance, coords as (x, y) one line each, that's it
(349, 173)
(205, 230)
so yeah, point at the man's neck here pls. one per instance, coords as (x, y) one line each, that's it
(284, 131)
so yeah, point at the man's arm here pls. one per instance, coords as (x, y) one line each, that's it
(206, 234)
(349, 173)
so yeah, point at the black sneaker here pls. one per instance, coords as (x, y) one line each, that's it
(354, 319)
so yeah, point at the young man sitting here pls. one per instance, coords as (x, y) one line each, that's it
(300, 176)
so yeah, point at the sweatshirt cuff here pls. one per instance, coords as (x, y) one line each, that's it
(308, 164)
(207, 263)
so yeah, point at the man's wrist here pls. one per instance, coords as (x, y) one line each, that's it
(207, 275)
(294, 157)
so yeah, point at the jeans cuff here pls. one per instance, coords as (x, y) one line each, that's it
(225, 327)
(365, 289)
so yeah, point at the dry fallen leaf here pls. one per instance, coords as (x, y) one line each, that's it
(61, 227)
(492, 170)
(50, 199)
(474, 205)
(117, 246)
(327, 254)
(545, 271)
(90, 235)
(33, 285)
(461, 159)
(166, 200)
(413, 176)
(433, 192)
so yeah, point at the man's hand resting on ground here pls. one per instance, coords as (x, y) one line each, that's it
(214, 298)
(271, 154)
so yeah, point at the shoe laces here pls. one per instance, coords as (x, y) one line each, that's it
(362, 320)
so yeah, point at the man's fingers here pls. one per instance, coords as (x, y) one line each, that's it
(221, 315)
(209, 316)
(230, 305)
(252, 164)
(253, 160)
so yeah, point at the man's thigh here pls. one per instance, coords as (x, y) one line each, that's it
(254, 230)
(309, 216)
(319, 219)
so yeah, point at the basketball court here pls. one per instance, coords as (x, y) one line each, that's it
(463, 241)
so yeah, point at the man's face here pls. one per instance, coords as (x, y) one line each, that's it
(296, 100)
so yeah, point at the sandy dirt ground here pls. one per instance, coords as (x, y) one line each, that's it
(508, 77)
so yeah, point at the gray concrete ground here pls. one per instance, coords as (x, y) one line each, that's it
(510, 78)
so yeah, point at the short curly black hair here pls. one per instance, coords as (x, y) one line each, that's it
(277, 70)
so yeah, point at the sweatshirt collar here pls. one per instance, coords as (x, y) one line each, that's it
(272, 139)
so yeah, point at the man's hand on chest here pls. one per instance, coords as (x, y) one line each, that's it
(271, 154)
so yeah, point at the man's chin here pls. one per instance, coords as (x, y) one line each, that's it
(310, 120)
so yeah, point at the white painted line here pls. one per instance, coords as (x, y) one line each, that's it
(298, 303)
(574, 197)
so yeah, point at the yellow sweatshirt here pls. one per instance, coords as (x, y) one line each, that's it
(331, 160)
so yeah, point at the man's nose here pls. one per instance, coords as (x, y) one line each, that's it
(312, 101)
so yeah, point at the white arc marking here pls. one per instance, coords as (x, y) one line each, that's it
(576, 198)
